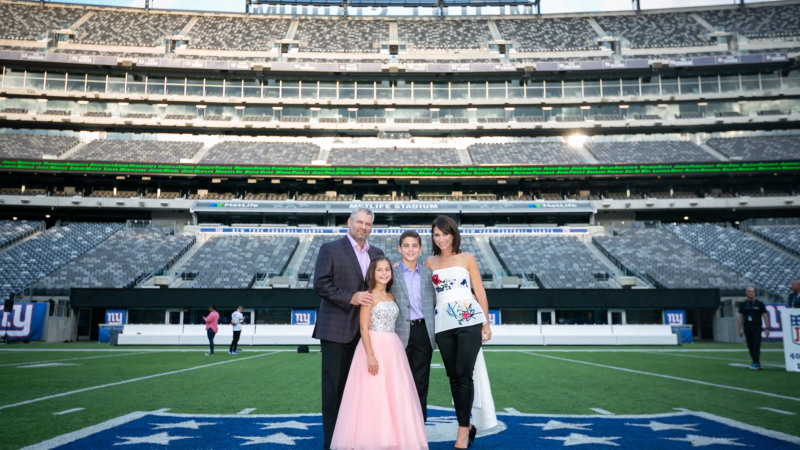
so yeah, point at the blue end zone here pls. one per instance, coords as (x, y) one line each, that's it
(679, 430)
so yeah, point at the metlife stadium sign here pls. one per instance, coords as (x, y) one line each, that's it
(407, 207)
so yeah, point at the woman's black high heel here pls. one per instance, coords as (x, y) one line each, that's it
(472, 432)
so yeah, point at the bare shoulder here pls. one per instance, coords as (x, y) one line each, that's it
(431, 262)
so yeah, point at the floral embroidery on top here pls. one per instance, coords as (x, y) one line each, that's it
(462, 311)
(441, 285)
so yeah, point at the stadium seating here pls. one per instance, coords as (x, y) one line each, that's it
(444, 35)
(648, 152)
(234, 262)
(536, 35)
(351, 36)
(766, 266)
(668, 261)
(241, 152)
(28, 146)
(136, 151)
(393, 157)
(29, 21)
(763, 22)
(553, 262)
(761, 148)
(233, 33)
(121, 261)
(306, 270)
(129, 28)
(525, 153)
(42, 254)
(12, 231)
(786, 237)
(654, 30)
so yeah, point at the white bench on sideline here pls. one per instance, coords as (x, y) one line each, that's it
(284, 335)
(150, 335)
(578, 335)
(196, 335)
(645, 335)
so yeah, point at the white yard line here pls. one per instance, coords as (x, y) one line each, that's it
(78, 391)
(68, 411)
(142, 350)
(745, 426)
(786, 413)
(245, 411)
(621, 350)
(69, 359)
(602, 411)
(669, 377)
(80, 434)
(720, 359)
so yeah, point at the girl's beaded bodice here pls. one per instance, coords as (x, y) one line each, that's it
(384, 315)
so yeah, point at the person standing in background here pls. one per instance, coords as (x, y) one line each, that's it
(751, 312)
(794, 297)
(211, 327)
(237, 320)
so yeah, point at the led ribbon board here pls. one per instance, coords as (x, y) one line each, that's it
(512, 171)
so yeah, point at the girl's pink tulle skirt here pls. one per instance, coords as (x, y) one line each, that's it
(380, 412)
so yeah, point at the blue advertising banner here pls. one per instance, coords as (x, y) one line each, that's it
(113, 317)
(25, 322)
(675, 317)
(304, 317)
(494, 317)
(774, 322)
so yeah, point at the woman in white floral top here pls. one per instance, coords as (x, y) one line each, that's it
(462, 325)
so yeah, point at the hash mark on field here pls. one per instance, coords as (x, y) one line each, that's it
(512, 411)
(68, 411)
(69, 359)
(777, 411)
(602, 411)
(246, 411)
(118, 383)
(748, 365)
(669, 377)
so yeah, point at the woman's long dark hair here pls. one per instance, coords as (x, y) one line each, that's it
(371, 281)
(447, 226)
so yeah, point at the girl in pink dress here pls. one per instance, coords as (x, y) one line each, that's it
(380, 407)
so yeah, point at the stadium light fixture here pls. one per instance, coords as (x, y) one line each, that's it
(577, 140)
(685, 217)
(238, 107)
(472, 109)
(662, 105)
(352, 109)
(547, 108)
(509, 108)
(702, 104)
(2, 98)
(47, 216)
(433, 109)
(14, 218)
(313, 108)
(624, 106)
(162, 105)
(123, 103)
(201, 106)
(277, 108)
(83, 102)
(585, 107)
(41, 100)
(389, 109)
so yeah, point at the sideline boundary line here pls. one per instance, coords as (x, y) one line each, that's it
(670, 377)
(68, 359)
(118, 383)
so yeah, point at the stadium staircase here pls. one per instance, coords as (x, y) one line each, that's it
(297, 261)
(41, 229)
(712, 151)
(489, 258)
(201, 153)
(771, 244)
(71, 152)
(324, 153)
(176, 271)
(464, 158)
(615, 271)
(587, 156)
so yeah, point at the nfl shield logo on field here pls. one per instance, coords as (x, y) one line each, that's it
(794, 320)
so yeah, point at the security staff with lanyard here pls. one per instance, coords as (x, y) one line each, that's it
(794, 297)
(750, 314)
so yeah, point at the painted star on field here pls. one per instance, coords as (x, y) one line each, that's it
(703, 441)
(160, 438)
(659, 426)
(581, 439)
(279, 438)
(556, 425)
(190, 424)
(290, 424)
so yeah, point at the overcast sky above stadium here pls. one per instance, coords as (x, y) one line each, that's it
(548, 6)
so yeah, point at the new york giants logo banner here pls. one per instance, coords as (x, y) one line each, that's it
(25, 322)
(794, 323)
(115, 316)
(790, 319)
(304, 317)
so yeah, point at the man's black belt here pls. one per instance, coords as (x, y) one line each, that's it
(418, 322)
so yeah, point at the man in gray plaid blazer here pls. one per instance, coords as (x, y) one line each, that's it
(414, 294)
(339, 279)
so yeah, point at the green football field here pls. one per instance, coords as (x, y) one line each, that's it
(43, 386)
